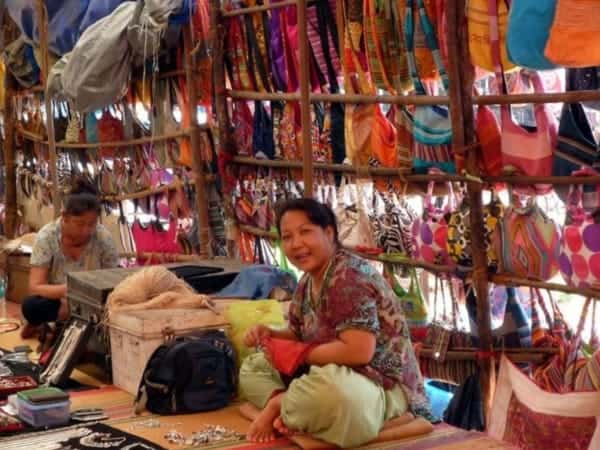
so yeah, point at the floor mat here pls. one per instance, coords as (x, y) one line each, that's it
(82, 437)
(444, 437)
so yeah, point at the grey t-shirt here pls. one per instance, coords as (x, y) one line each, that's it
(99, 253)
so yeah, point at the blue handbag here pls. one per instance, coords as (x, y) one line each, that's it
(529, 23)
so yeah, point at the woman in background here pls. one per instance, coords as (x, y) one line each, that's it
(73, 242)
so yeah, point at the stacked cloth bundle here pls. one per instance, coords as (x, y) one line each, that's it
(154, 287)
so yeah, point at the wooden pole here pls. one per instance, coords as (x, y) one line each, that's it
(225, 147)
(304, 63)
(10, 188)
(42, 16)
(460, 73)
(197, 162)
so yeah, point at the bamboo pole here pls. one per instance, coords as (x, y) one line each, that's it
(201, 196)
(255, 9)
(516, 357)
(304, 63)
(364, 171)
(115, 144)
(8, 144)
(460, 73)
(550, 97)
(381, 257)
(510, 280)
(168, 257)
(42, 18)
(224, 132)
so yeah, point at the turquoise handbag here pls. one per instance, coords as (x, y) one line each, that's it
(529, 23)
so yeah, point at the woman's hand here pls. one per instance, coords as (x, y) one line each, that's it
(256, 334)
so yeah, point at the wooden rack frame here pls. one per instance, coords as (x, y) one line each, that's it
(460, 100)
(199, 178)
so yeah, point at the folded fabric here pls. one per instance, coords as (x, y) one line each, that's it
(257, 282)
(286, 355)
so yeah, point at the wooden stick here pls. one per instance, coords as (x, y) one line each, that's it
(304, 62)
(154, 191)
(380, 257)
(461, 77)
(225, 141)
(169, 257)
(523, 180)
(252, 95)
(116, 144)
(42, 16)
(255, 9)
(510, 280)
(197, 160)
(341, 98)
(347, 168)
(518, 357)
(554, 97)
(8, 144)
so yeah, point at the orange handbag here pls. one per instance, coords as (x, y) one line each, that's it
(573, 40)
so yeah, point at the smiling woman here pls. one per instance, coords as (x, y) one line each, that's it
(359, 369)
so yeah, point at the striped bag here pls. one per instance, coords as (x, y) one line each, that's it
(432, 128)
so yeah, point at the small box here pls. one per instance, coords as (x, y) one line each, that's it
(44, 414)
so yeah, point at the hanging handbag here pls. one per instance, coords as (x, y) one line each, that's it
(529, 151)
(527, 242)
(430, 232)
(575, 27)
(110, 129)
(432, 128)
(576, 146)
(354, 226)
(414, 306)
(529, 23)
(479, 15)
(584, 79)
(489, 136)
(580, 244)
(263, 145)
(242, 124)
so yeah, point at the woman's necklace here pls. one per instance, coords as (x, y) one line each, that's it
(316, 290)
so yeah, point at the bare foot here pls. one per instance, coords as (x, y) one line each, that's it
(282, 428)
(261, 429)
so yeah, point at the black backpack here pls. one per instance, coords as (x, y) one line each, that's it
(189, 374)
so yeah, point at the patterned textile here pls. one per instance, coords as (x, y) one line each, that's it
(355, 295)
(530, 418)
(99, 253)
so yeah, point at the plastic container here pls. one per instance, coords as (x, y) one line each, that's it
(44, 414)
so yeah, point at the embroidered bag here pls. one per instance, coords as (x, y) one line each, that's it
(529, 23)
(432, 128)
(580, 244)
(527, 242)
(575, 27)
(110, 129)
(242, 124)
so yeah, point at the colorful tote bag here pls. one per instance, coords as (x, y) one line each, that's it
(479, 15)
(527, 242)
(575, 26)
(432, 127)
(529, 152)
(529, 23)
(526, 416)
(430, 232)
(580, 244)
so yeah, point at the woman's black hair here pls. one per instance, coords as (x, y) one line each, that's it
(82, 198)
(317, 213)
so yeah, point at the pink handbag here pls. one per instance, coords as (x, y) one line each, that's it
(430, 232)
(579, 259)
(529, 151)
